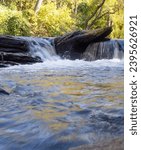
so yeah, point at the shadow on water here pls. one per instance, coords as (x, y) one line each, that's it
(60, 108)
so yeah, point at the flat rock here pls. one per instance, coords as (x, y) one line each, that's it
(13, 42)
(18, 58)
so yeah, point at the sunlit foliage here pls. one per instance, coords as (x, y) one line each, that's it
(56, 17)
(54, 21)
(13, 22)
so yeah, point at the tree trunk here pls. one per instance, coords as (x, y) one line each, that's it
(75, 7)
(38, 5)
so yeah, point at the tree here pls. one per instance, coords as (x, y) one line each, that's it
(38, 5)
(59, 16)
(98, 13)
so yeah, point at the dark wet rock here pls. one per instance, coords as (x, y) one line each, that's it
(13, 44)
(3, 92)
(19, 58)
(11, 50)
(4, 64)
(72, 45)
(15, 50)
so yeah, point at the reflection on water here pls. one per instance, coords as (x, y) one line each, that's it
(60, 106)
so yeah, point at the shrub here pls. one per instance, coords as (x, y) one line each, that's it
(3, 19)
(12, 22)
(54, 21)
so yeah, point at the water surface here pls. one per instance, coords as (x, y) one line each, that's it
(57, 105)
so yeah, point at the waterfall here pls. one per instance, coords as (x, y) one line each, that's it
(34, 49)
(104, 50)
(42, 48)
(16, 50)
(118, 49)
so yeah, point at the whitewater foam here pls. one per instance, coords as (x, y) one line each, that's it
(67, 64)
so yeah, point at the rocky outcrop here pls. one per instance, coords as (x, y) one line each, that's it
(18, 58)
(74, 44)
(13, 44)
(17, 50)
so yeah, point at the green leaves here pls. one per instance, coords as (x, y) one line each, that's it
(13, 23)
(17, 25)
(54, 21)
(58, 17)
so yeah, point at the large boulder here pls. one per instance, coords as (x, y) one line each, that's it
(74, 44)
(15, 50)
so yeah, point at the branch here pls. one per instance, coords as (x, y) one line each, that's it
(99, 17)
(95, 19)
(98, 7)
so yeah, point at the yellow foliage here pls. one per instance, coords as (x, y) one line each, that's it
(54, 21)
(58, 17)
(12, 22)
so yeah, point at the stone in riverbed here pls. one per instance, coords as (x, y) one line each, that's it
(74, 44)
(18, 58)
(13, 42)
(15, 50)
(3, 92)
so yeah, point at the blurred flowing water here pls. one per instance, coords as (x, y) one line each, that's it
(57, 105)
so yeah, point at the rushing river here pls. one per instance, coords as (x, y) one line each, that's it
(57, 105)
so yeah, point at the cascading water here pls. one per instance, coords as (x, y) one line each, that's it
(104, 50)
(42, 48)
(118, 49)
(61, 104)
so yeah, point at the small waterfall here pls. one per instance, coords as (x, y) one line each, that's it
(118, 49)
(104, 50)
(42, 48)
